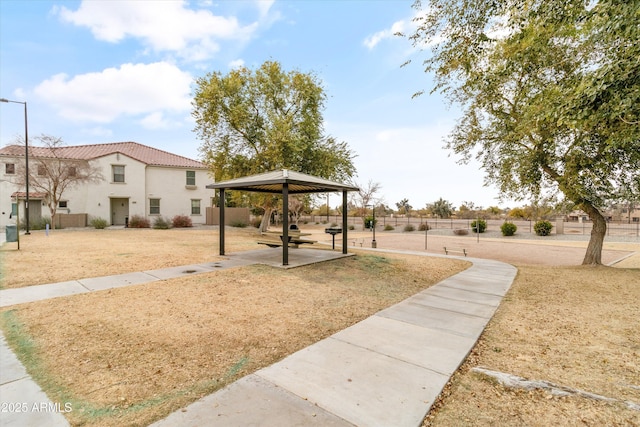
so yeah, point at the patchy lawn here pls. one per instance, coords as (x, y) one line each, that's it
(129, 356)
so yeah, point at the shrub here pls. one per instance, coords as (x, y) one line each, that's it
(409, 227)
(388, 227)
(368, 221)
(256, 221)
(98, 223)
(508, 229)
(460, 231)
(181, 221)
(481, 225)
(38, 224)
(424, 227)
(138, 221)
(543, 228)
(161, 224)
(239, 224)
(352, 227)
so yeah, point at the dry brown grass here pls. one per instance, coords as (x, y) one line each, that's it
(573, 326)
(132, 355)
(76, 254)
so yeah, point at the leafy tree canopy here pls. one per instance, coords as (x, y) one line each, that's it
(550, 94)
(254, 121)
(442, 208)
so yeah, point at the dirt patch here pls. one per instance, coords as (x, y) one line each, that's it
(132, 355)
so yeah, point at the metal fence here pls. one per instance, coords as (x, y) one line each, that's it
(614, 228)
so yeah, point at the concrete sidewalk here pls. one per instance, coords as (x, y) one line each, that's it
(386, 370)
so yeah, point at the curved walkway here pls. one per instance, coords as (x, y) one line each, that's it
(386, 370)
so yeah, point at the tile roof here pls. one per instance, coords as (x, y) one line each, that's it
(143, 153)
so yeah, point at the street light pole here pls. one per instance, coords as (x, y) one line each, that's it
(374, 244)
(26, 157)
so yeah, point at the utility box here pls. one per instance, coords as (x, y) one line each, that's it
(11, 233)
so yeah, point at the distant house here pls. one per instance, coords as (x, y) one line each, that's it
(618, 214)
(138, 180)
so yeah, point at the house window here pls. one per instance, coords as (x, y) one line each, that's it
(10, 168)
(42, 171)
(191, 177)
(154, 206)
(73, 171)
(14, 209)
(118, 173)
(195, 206)
(62, 204)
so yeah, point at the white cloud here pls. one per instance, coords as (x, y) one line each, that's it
(373, 40)
(237, 63)
(161, 25)
(411, 162)
(98, 131)
(131, 89)
(157, 120)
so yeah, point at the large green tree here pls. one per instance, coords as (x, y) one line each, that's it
(550, 94)
(254, 121)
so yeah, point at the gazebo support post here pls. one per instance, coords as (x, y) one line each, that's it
(344, 222)
(221, 221)
(285, 224)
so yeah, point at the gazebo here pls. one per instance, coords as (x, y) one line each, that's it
(284, 182)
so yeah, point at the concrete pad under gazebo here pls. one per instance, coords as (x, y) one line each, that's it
(284, 182)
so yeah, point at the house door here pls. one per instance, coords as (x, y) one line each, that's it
(119, 211)
(35, 211)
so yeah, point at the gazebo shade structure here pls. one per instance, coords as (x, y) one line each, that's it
(284, 182)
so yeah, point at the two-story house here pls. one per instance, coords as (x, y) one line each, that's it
(136, 180)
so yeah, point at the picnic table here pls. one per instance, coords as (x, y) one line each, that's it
(274, 239)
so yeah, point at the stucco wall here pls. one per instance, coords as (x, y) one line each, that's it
(142, 183)
(231, 216)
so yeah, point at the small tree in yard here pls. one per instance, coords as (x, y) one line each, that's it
(53, 173)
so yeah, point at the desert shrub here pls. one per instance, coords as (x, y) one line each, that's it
(239, 224)
(543, 228)
(181, 221)
(352, 227)
(481, 225)
(368, 221)
(334, 224)
(409, 227)
(388, 227)
(508, 229)
(256, 221)
(460, 231)
(138, 221)
(38, 224)
(424, 227)
(159, 223)
(98, 223)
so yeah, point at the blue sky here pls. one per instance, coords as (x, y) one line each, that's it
(110, 71)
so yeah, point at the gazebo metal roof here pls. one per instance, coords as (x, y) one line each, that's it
(284, 182)
(273, 182)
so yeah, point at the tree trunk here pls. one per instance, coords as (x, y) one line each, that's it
(264, 224)
(53, 216)
(598, 231)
